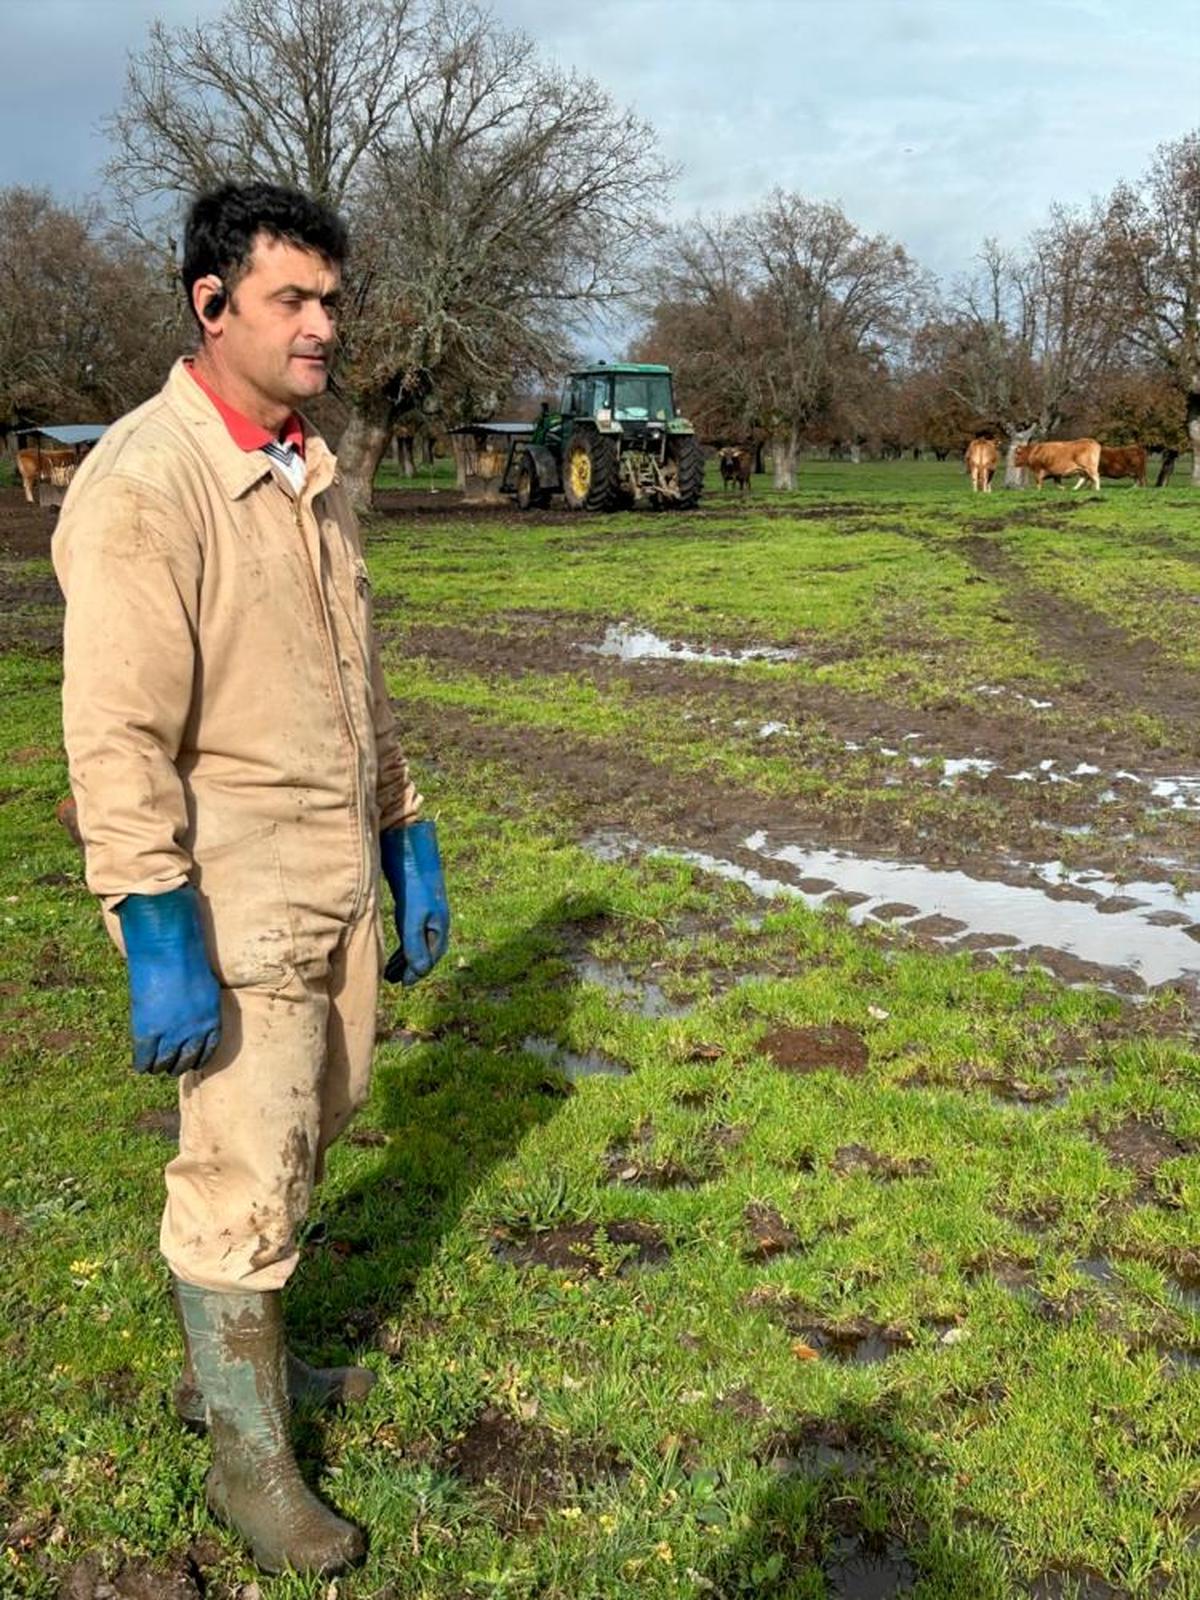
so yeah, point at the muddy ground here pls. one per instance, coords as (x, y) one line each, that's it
(984, 824)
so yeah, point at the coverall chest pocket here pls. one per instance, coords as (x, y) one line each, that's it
(245, 910)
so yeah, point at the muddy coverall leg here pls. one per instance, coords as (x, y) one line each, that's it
(292, 1067)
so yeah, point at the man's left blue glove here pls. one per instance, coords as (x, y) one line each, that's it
(174, 999)
(413, 868)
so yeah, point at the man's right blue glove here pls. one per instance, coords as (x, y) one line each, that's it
(174, 999)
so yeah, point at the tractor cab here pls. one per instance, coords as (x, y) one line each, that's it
(634, 397)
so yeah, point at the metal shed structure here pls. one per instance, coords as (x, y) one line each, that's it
(76, 436)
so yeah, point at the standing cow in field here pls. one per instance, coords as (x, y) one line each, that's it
(1124, 461)
(736, 465)
(981, 460)
(1064, 458)
(56, 467)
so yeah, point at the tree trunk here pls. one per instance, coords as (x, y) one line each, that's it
(363, 442)
(425, 446)
(1170, 457)
(1014, 476)
(404, 454)
(856, 453)
(1193, 428)
(783, 457)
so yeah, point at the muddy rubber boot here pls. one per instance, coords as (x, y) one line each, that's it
(235, 1344)
(321, 1387)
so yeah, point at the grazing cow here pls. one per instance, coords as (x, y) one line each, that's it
(737, 465)
(1063, 458)
(56, 467)
(981, 463)
(1124, 461)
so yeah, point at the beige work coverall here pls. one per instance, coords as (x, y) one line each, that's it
(227, 725)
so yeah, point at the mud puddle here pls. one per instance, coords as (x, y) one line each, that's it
(859, 1344)
(640, 644)
(640, 995)
(1086, 927)
(572, 1065)
(1178, 791)
(864, 1567)
(583, 1248)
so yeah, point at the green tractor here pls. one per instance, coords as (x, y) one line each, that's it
(616, 442)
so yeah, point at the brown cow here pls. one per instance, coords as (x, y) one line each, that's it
(45, 466)
(737, 465)
(1061, 458)
(1124, 461)
(981, 459)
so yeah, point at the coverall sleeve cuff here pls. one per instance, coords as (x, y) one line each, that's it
(110, 902)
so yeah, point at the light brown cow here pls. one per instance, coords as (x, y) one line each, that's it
(1124, 461)
(45, 466)
(1061, 458)
(981, 459)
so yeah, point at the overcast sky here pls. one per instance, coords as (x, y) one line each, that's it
(935, 121)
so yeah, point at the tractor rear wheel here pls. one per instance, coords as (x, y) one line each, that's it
(591, 476)
(529, 495)
(687, 453)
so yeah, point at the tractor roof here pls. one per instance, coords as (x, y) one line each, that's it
(620, 367)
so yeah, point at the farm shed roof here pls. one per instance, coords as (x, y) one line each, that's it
(494, 427)
(71, 432)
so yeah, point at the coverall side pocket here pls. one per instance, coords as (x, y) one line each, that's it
(363, 599)
(245, 909)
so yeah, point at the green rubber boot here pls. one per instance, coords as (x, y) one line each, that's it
(235, 1344)
(321, 1387)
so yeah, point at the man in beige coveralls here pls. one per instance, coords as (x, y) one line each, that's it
(239, 784)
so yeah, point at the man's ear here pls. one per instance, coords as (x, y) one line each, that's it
(209, 297)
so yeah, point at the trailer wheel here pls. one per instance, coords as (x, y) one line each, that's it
(529, 496)
(590, 472)
(687, 454)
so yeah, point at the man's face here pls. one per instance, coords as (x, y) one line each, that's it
(276, 335)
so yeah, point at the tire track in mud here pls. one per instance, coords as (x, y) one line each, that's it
(596, 788)
(548, 647)
(601, 783)
(1133, 672)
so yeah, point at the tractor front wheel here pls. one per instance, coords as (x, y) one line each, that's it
(529, 495)
(590, 472)
(687, 454)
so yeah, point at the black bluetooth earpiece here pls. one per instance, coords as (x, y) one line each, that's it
(215, 306)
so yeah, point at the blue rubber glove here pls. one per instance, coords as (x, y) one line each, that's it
(413, 868)
(174, 999)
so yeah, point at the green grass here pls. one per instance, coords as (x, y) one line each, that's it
(651, 1410)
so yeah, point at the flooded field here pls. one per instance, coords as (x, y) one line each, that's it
(794, 1166)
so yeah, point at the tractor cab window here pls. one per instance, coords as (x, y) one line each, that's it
(587, 394)
(644, 397)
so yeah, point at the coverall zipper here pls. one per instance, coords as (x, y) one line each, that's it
(329, 646)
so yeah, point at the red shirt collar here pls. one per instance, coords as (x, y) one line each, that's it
(249, 435)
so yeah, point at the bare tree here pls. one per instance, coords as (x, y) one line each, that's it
(69, 347)
(703, 325)
(1027, 335)
(787, 309)
(1152, 261)
(494, 201)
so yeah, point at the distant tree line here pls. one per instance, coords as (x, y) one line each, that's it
(497, 204)
(787, 324)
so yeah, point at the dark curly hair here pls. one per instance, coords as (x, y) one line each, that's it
(223, 223)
